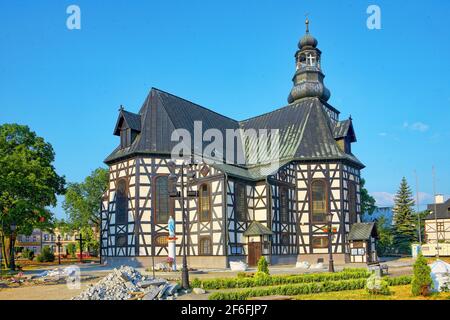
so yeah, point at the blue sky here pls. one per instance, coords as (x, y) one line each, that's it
(235, 57)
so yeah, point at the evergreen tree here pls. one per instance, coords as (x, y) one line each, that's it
(404, 221)
(422, 281)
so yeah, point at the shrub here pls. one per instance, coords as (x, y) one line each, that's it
(291, 289)
(71, 249)
(245, 274)
(261, 280)
(46, 255)
(421, 281)
(398, 281)
(263, 265)
(27, 254)
(376, 285)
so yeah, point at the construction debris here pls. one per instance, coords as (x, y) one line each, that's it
(198, 291)
(126, 283)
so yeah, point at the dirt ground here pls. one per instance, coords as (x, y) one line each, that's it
(42, 292)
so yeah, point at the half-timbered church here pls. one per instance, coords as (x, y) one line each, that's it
(299, 210)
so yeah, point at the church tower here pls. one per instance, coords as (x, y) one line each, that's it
(308, 78)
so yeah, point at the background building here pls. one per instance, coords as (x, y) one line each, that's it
(437, 228)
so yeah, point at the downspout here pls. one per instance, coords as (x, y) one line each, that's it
(101, 230)
(269, 215)
(225, 210)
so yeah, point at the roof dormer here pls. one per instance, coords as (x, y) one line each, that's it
(344, 134)
(128, 126)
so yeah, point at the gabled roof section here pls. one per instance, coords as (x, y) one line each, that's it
(257, 229)
(161, 114)
(306, 132)
(132, 120)
(363, 231)
(343, 129)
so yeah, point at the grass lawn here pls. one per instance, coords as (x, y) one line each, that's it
(398, 293)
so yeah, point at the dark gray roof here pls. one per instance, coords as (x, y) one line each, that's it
(442, 209)
(343, 129)
(257, 229)
(305, 129)
(133, 121)
(362, 231)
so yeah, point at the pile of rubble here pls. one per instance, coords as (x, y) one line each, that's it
(126, 283)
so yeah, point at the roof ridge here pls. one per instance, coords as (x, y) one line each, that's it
(273, 111)
(196, 104)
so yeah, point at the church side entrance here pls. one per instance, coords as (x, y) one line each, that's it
(254, 253)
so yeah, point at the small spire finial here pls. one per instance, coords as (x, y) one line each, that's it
(121, 108)
(307, 23)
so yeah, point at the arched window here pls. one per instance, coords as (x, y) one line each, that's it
(205, 246)
(162, 199)
(204, 203)
(241, 202)
(353, 217)
(122, 202)
(319, 201)
(284, 205)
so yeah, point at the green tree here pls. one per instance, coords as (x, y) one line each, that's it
(386, 236)
(367, 201)
(405, 231)
(72, 249)
(421, 283)
(82, 205)
(28, 184)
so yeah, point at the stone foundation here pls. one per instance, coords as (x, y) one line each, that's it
(338, 258)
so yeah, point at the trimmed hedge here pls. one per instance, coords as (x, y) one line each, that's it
(247, 282)
(398, 281)
(305, 288)
(291, 289)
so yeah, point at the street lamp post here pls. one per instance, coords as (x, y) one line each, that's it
(12, 264)
(330, 245)
(80, 239)
(59, 248)
(173, 177)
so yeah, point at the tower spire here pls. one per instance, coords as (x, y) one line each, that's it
(308, 78)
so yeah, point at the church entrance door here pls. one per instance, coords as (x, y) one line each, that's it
(254, 253)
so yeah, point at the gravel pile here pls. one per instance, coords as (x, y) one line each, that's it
(127, 283)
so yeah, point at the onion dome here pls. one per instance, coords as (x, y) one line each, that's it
(307, 40)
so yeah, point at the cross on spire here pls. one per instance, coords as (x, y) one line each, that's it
(121, 108)
(311, 59)
(307, 22)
